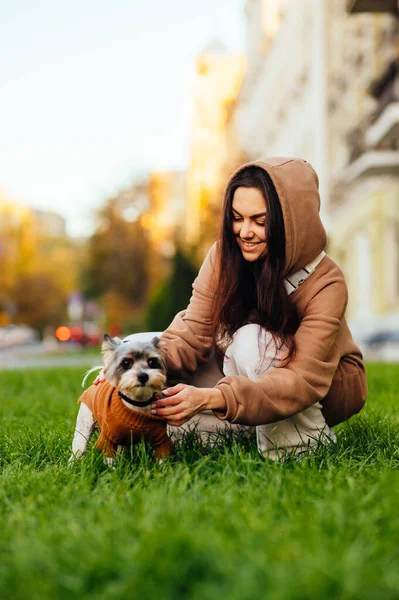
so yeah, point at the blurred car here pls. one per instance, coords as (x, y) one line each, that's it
(14, 335)
(85, 334)
(382, 345)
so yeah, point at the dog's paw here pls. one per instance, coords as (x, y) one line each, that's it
(163, 464)
(110, 462)
(75, 456)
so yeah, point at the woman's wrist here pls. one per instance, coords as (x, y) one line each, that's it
(216, 400)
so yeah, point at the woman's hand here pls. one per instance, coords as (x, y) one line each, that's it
(100, 378)
(184, 401)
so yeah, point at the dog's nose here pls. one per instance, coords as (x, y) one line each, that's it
(142, 377)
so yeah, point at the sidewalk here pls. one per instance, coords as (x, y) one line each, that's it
(37, 355)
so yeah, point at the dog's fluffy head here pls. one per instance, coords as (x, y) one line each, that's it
(136, 368)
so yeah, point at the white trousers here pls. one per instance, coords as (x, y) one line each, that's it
(251, 354)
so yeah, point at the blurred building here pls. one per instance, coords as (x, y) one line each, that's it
(363, 138)
(281, 109)
(164, 220)
(217, 81)
(322, 84)
(49, 223)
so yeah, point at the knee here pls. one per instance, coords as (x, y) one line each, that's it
(252, 350)
(252, 338)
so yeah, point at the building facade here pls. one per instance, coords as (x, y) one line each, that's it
(364, 159)
(164, 221)
(216, 83)
(281, 109)
(49, 223)
(321, 84)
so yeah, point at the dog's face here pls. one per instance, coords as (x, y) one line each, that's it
(135, 368)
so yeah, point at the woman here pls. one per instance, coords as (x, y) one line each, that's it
(269, 299)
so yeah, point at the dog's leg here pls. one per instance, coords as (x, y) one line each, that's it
(83, 431)
(110, 461)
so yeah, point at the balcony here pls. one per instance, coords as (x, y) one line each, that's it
(385, 130)
(384, 123)
(358, 6)
(374, 143)
(372, 163)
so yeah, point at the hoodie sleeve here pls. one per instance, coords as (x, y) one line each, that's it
(285, 391)
(188, 339)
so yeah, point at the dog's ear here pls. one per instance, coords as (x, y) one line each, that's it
(155, 341)
(109, 344)
(159, 345)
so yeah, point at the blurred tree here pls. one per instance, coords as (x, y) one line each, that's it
(18, 244)
(173, 294)
(115, 272)
(34, 257)
(39, 301)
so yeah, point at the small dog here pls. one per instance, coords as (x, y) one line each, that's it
(121, 408)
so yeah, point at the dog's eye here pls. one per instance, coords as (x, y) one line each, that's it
(126, 363)
(153, 363)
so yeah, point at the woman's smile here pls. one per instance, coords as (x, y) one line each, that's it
(249, 246)
(249, 218)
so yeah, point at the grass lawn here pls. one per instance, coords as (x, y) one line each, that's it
(216, 523)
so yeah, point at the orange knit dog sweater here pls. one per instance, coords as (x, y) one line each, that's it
(121, 425)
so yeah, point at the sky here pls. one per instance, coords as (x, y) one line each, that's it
(95, 93)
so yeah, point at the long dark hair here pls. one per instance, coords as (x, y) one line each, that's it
(254, 292)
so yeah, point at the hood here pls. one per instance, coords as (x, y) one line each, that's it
(296, 184)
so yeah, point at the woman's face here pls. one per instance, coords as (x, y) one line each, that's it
(249, 217)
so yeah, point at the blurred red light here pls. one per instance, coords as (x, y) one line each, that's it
(76, 333)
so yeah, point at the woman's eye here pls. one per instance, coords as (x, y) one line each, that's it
(153, 363)
(236, 218)
(261, 224)
(126, 364)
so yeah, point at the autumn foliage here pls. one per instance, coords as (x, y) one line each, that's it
(115, 272)
(37, 270)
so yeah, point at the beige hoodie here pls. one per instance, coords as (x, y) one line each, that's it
(328, 365)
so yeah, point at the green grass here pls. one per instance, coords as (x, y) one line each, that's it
(216, 522)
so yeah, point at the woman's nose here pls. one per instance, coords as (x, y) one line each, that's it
(246, 230)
